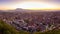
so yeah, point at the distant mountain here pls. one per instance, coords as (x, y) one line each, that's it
(25, 10)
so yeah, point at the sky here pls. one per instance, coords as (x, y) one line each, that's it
(30, 4)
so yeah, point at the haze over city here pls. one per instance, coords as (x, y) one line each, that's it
(29, 16)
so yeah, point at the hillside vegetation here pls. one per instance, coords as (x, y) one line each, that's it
(7, 29)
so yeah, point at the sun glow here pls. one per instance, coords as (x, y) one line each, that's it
(35, 5)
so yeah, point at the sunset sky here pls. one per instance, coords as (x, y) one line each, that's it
(30, 4)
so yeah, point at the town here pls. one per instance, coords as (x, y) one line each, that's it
(32, 21)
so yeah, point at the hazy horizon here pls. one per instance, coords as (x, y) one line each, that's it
(30, 4)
